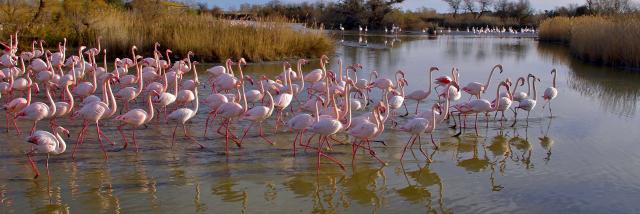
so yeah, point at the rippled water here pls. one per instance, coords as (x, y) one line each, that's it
(583, 160)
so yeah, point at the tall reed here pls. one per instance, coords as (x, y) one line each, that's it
(610, 40)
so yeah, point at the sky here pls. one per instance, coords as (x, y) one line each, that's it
(439, 5)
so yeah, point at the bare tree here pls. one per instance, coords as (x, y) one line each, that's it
(483, 6)
(454, 5)
(470, 6)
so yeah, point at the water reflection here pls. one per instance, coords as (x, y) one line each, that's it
(617, 91)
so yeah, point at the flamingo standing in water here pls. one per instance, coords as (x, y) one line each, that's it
(96, 111)
(526, 104)
(476, 88)
(136, 118)
(259, 114)
(550, 93)
(417, 126)
(300, 123)
(63, 108)
(364, 132)
(182, 115)
(231, 110)
(85, 89)
(45, 142)
(38, 110)
(419, 95)
(16, 105)
(129, 94)
(283, 100)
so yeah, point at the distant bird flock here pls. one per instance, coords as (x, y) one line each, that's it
(317, 104)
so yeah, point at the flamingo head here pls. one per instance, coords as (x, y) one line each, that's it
(432, 69)
(20, 114)
(249, 78)
(33, 139)
(466, 89)
(64, 131)
(303, 61)
(508, 81)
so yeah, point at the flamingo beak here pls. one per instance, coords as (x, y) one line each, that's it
(33, 140)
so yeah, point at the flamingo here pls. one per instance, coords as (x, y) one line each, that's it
(38, 110)
(136, 118)
(63, 108)
(164, 99)
(417, 126)
(526, 104)
(226, 81)
(283, 100)
(232, 110)
(45, 142)
(129, 94)
(364, 132)
(84, 89)
(476, 88)
(182, 115)
(16, 105)
(397, 100)
(258, 114)
(477, 106)
(96, 111)
(300, 123)
(550, 93)
(57, 58)
(454, 93)
(419, 95)
(186, 95)
(317, 74)
(34, 53)
(386, 83)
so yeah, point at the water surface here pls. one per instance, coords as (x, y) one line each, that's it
(582, 160)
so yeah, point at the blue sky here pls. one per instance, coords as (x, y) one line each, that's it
(407, 4)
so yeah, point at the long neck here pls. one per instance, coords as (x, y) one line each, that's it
(386, 104)
(52, 104)
(430, 82)
(317, 112)
(94, 80)
(197, 104)
(300, 75)
(104, 61)
(140, 80)
(175, 83)
(348, 104)
(195, 72)
(498, 97)
(271, 103)
(515, 87)
(166, 82)
(443, 114)
(242, 94)
(61, 145)
(289, 82)
(70, 96)
(28, 88)
(489, 79)
(341, 74)
(432, 122)
(554, 77)
(112, 100)
(535, 95)
(150, 110)
(528, 85)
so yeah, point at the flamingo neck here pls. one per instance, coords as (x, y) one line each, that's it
(271, 103)
(52, 106)
(554, 77)
(535, 95)
(70, 96)
(430, 82)
(150, 110)
(140, 80)
(112, 100)
(61, 146)
(300, 75)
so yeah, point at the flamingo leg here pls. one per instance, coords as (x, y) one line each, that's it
(123, 137)
(46, 166)
(206, 125)
(100, 140)
(173, 136)
(226, 138)
(245, 132)
(6, 114)
(133, 134)
(373, 153)
(550, 112)
(33, 164)
(417, 106)
(186, 134)
(422, 151)
(15, 125)
(294, 143)
(412, 140)
(78, 142)
(264, 137)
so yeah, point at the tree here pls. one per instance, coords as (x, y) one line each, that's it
(470, 6)
(454, 5)
(483, 6)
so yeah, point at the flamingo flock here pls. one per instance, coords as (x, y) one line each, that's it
(320, 106)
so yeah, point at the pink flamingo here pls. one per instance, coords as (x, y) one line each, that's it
(57, 58)
(136, 118)
(94, 112)
(226, 81)
(258, 114)
(550, 93)
(417, 126)
(231, 110)
(420, 94)
(364, 132)
(300, 123)
(526, 104)
(454, 92)
(164, 99)
(45, 142)
(63, 108)
(38, 110)
(186, 96)
(283, 100)
(475, 88)
(84, 89)
(182, 115)
(16, 105)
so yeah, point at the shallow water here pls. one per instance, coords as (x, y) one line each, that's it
(582, 160)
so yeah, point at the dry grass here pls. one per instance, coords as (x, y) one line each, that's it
(216, 39)
(610, 40)
(210, 38)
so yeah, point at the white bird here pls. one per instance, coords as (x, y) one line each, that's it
(45, 142)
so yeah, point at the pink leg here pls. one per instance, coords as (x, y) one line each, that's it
(100, 141)
(186, 134)
(245, 132)
(412, 140)
(294, 143)
(33, 164)
(173, 136)
(373, 153)
(33, 128)
(75, 147)
(206, 126)
(134, 139)
(123, 137)
(262, 135)
(226, 138)
(15, 125)
(7, 120)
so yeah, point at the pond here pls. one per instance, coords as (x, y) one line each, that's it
(584, 159)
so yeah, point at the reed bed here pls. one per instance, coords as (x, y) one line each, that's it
(209, 37)
(609, 40)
